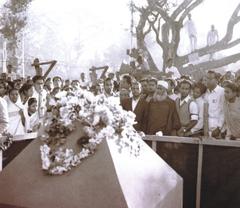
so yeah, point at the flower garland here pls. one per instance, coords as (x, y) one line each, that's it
(102, 118)
(6, 142)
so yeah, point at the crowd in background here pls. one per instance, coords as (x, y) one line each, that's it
(172, 105)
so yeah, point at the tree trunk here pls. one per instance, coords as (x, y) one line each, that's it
(141, 45)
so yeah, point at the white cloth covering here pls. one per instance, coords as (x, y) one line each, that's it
(15, 121)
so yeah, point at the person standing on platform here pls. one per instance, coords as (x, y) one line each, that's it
(212, 38)
(186, 107)
(215, 98)
(232, 111)
(192, 32)
(172, 71)
(83, 81)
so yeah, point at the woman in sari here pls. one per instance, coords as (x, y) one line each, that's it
(32, 123)
(15, 113)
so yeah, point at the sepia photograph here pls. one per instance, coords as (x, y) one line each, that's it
(119, 104)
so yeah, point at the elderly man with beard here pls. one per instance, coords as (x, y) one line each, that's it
(161, 113)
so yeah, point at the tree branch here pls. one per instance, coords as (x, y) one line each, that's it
(189, 9)
(212, 64)
(156, 34)
(147, 31)
(223, 44)
(180, 8)
(231, 23)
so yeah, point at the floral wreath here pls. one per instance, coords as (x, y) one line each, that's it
(6, 142)
(102, 118)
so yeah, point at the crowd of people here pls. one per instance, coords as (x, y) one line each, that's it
(173, 105)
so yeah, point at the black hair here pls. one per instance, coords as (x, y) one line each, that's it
(37, 77)
(200, 86)
(231, 86)
(31, 101)
(128, 79)
(25, 88)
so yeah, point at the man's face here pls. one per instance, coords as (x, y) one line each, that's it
(124, 84)
(238, 82)
(18, 84)
(170, 86)
(152, 86)
(229, 94)
(111, 75)
(57, 82)
(39, 85)
(124, 94)
(82, 76)
(185, 89)
(13, 96)
(108, 86)
(144, 85)
(211, 81)
(4, 76)
(136, 91)
(75, 84)
(30, 92)
(196, 93)
(160, 90)
(2, 90)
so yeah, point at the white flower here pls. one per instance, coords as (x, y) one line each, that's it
(44, 149)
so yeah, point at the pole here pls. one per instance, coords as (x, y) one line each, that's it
(4, 56)
(23, 56)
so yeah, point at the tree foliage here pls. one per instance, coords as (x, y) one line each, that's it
(165, 20)
(13, 20)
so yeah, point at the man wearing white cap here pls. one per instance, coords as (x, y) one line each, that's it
(161, 113)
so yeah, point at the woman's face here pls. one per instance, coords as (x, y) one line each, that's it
(33, 107)
(13, 95)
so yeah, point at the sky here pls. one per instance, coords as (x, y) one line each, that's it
(84, 33)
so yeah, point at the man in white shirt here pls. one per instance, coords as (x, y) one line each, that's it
(215, 99)
(172, 71)
(40, 94)
(192, 32)
(199, 90)
(4, 119)
(212, 38)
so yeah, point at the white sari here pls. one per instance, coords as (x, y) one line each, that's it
(31, 122)
(15, 121)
